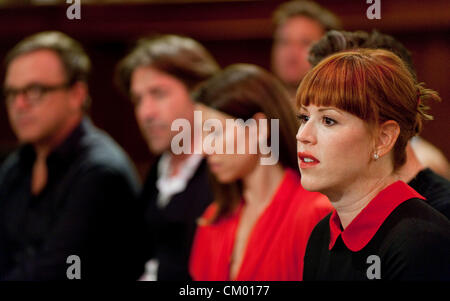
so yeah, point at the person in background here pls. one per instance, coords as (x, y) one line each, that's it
(430, 156)
(5, 151)
(258, 226)
(159, 75)
(415, 171)
(298, 24)
(69, 189)
(358, 110)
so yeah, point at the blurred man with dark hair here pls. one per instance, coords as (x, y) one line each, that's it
(158, 75)
(417, 171)
(298, 24)
(335, 41)
(69, 189)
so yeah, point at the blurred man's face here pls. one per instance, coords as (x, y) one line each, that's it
(38, 102)
(159, 99)
(292, 41)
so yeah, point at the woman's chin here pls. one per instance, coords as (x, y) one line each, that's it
(310, 184)
(223, 178)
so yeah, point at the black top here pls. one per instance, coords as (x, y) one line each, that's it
(171, 229)
(410, 241)
(434, 188)
(87, 208)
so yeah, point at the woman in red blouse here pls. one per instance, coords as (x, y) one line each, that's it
(259, 224)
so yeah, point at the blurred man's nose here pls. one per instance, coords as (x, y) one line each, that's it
(148, 109)
(19, 102)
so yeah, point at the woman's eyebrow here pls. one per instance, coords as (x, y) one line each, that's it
(329, 109)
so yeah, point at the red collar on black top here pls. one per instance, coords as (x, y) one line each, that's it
(364, 226)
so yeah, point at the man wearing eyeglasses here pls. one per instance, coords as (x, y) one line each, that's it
(69, 189)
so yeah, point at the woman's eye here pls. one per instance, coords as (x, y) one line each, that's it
(303, 118)
(328, 121)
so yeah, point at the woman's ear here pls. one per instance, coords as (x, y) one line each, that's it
(388, 133)
(259, 116)
(263, 133)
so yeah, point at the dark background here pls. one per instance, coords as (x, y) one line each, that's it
(234, 31)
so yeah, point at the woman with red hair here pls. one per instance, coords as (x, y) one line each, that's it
(358, 109)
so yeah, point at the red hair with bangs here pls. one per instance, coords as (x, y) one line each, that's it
(374, 85)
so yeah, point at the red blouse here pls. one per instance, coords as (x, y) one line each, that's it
(276, 245)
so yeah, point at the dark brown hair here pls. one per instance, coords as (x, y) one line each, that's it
(374, 85)
(241, 91)
(181, 57)
(335, 41)
(308, 9)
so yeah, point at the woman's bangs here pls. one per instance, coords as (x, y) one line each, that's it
(338, 83)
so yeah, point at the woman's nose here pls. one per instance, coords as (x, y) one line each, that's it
(306, 133)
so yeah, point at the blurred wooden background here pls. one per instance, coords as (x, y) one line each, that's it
(234, 31)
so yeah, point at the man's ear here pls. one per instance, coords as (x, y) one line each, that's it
(388, 133)
(78, 94)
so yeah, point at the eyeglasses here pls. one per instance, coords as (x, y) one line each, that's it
(33, 93)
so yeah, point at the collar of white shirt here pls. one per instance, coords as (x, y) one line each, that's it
(168, 185)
